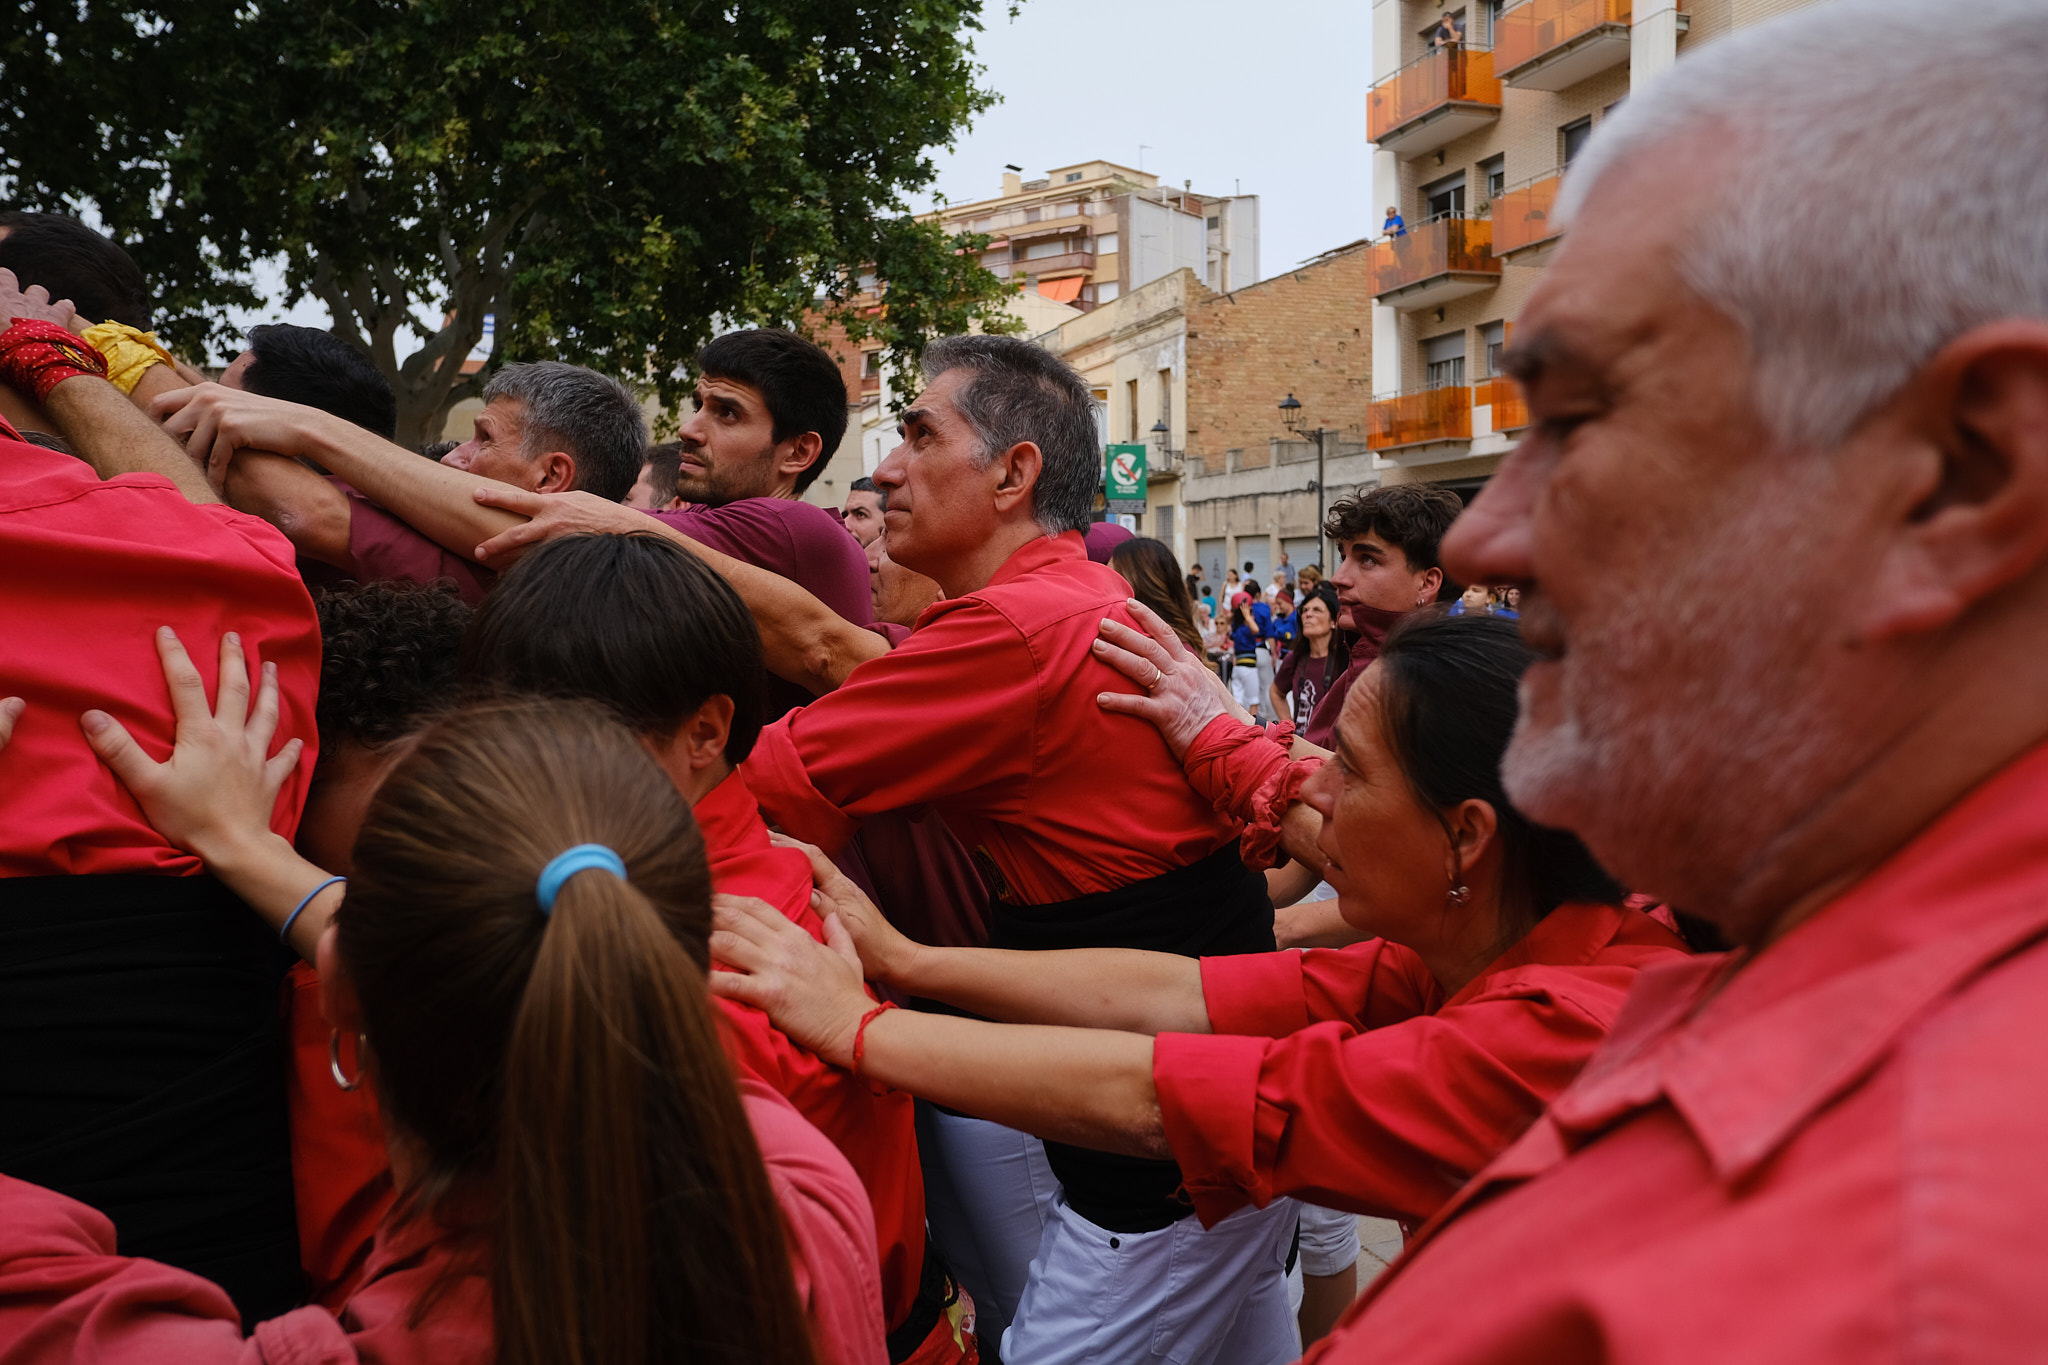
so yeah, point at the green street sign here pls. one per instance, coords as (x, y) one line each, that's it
(1123, 479)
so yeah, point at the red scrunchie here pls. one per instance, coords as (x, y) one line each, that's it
(37, 356)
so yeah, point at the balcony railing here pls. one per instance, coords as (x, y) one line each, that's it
(1549, 44)
(1419, 417)
(1046, 265)
(1526, 214)
(1510, 405)
(1444, 258)
(1433, 100)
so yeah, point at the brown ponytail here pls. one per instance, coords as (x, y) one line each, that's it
(569, 1060)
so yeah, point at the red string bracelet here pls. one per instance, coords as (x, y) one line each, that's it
(36, 356)
(860, 1033)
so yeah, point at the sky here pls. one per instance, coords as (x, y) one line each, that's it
(1269, 95)
(1264, 98)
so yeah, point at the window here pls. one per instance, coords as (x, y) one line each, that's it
(870, 364)
(1031, 215)
(1131, 407)
(1493, 172)
(1106, 293)
(1214, 220)
(1488, 17)
(1444, 196)
(1572, 137)
(1444, 358)
(1162, 526)
(1494, 337)
(1166, 403)
(1071, 177)
(1056, 246)
(1105, 244)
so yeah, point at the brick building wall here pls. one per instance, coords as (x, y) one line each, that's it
(1307, 332)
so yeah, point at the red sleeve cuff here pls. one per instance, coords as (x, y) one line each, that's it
(1248, 776)
(776, 775)
(1208, 1089)
(1261, 994)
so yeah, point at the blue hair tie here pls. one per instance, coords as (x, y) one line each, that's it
(567, 863)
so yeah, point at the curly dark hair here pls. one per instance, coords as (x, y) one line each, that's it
(387, 660)
(1412, 516)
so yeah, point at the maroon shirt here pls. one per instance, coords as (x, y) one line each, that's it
(1305, 680)
(805, 544)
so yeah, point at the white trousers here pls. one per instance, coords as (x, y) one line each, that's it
(988, 1194)
(1244, 686)
(1181, 1294)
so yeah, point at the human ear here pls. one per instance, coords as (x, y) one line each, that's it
(338, 1003)
(1429, 585)
(800, 453)
(556, 471)
(1473, 825)
(700, 740)
(1017, 470)
(1971, 513)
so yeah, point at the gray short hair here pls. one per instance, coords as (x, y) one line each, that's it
(591, 416)
(1018, 392)
(1888, 194)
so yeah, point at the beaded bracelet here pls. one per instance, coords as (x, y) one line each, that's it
(37, 356)
(860, 1033)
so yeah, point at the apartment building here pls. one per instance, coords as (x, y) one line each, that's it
(1476, 110)
(1084, 235)
(1198, 376)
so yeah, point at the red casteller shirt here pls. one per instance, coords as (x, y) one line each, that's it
(92, 567)
(343, 1177)
(987, 711)
(875, 1129)
(1344, 1075)
(66, 1297)
(1827, 1151)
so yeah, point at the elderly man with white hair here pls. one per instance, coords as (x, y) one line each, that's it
(1781, 530)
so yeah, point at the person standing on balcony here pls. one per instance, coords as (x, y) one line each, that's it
(1394, 226)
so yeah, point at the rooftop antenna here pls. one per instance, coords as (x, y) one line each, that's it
(1143, 148)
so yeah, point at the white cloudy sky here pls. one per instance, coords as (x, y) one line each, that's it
(1268, 96)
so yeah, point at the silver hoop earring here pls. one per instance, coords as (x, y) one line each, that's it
(342, 1078)
(1459, 895)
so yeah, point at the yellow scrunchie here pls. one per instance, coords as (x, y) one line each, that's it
(129, 352)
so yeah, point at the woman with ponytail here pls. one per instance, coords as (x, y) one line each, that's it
(519, 971)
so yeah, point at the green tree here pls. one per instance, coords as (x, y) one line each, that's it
(609, 181)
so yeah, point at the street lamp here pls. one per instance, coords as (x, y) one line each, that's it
(1291, 418)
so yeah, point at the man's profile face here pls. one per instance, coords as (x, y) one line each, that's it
(729, 449)
(641, 496)
(941, 506)
(863, 514)
(1684, 573)
(1372, 573)
(497, 450)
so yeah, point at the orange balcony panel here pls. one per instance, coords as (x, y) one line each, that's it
(1510, 405)
(1433, 101)
(1419, 417)
(1552, 44)
(1526, 215)
(1444, 258)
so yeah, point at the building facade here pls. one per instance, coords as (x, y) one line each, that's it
(1476, 110)
(1084, 235)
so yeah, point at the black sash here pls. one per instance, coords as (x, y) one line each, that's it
(144, 1072)
(1217, 907)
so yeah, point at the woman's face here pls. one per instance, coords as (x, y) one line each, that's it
(1384, 851)
(1315, 619)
